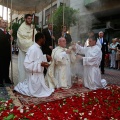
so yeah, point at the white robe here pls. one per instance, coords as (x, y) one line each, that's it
(59, 72)
(24, 41)
(91, 62)
(34, 85)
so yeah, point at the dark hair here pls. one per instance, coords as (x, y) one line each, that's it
(93, 38)
(63, 26)
(38, 36)
(27, 15)
(49, 24)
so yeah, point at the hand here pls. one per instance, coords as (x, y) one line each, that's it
(33, 27)
(53, 37)
(73, 47)
(11, 38)
(68, 51)
(51, 47)
(44, 64)
(62, 34)
(79, 57)
(49, 58)
(11, 32)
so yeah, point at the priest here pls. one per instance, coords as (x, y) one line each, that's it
(34, 64)
(25, 39)
(91, 63)
(59, 72)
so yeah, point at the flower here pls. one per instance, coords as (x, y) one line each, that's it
(99, 104)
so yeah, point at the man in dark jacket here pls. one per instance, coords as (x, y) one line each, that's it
(66, 36)
(50, 40)
(104, 44)
(5, 54)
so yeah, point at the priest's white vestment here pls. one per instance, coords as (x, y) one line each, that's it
(59, 72)
(24, 41)
(34, 85)
(91, 63)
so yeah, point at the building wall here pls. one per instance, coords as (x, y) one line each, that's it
(87, 15)
(90, 14)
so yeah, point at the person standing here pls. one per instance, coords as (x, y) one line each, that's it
(113, 49)
(5, 53)
(34, 63)
(66, 36)
(104, 45)
(25, 39)
(50, 40)
(90, 34)
(91, 62)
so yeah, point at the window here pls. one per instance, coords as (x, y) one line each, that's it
(48, 13)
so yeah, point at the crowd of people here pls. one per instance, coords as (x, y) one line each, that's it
(114, 54)
(44, 67)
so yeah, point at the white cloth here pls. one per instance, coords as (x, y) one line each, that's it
(21, 69)
(91, 62)
(34, 85)
(113, 60)
(24, 40)
(59, 72)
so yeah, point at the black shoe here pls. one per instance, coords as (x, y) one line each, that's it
(102, 72)
(8, 81)
(14, 91)
(2, 85)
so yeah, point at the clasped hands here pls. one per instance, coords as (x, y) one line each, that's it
(72, 47)
(45, 64)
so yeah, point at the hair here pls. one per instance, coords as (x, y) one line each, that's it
(38, 36)
(27, 15)
(93, 38)
(101, 32)
(63, 26)
(60, 39)
(49, 24)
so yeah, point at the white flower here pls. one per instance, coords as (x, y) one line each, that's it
(34, 106)
(89, 113)
(32, 114)
(5, 104)
(81, 114)
(49, 118)
(27, 108)
(21, 110)
(80, 118)
(85, 119)
(11, 110)
(48, 108)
